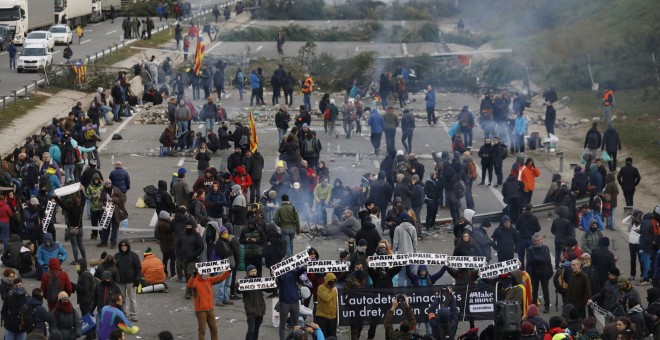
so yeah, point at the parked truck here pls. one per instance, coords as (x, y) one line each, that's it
(73, 12)
(97, 11)
(107, 4)
(23, 16)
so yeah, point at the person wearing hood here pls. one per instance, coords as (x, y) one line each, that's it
(369, 233)
(404, 241)
(484, 242)
(646, 243)
(40, 315)
(165, 202)
(84, 288)
(432, 196)
(255, 306)
(591, 238)
(11, 311)
(103, 291)
(32, 220)
(216, 201)
(153, 270)
(612, 145)
(377, 123)
(93, 195)
(47, 251)
(604, 297)
(588, 331)
(326, 309)
(561, 227)
(54, 269)
(611, 191)
(166, 239)
(11, 257)
(593, 140)
(532, 316)
(635, 313)
(189, 246)
(380, 192)
(238, 210)
(634, 222)
(130, 273)
(111, 316)
(527, 225)
(111, 193)
(628, 178)
(485, 154)
(579, 288)
(254, 239)
(73, 206)
(603, 259)
(241, 178)
(595, 178)
(66, 321)
(553, 190)
(579, 183)
(589, 217)
(505, 240)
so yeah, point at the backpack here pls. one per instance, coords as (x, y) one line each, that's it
(326, 114)
(13, 319)
(70, 156)
(27, 318)
(25, 170)
(561, 284)
(308, 146)
(44, 181)
(90, 134)
(472, 171)
(240, 78)
(592, 140)
(162, 138)
(53, 287)
(459, 189)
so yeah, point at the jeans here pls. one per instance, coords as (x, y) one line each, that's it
(288, 97)
(224, 154)
(607, 114)
(467, 136)
(9, 335)
(68, 173)
(182, 127)
(486, 169)
(255, 94)
(390, 135)
(320, 212)
(559, 247)
(95, 217)
(130, 304)
(196, 92)
(115, 111)
(469, 200)
(77, 243)
(207, 91)
(520, 143)
(204, 318)
(276, 95)
(523, 244)
(4, 234)
(348, 128)
(105, 109)
(240, 92)
(431, 212)
(612, 163)
(254, 322)
(376, 137)
(255, 190)
(288, 235)
(307, 101)
(430, 115)
(281, 133)
(628, 195)
(287, 309)
(406, 140)
(224, 290)
(12, 62)
(208, 126)
(610, 220)
(634, 258)
(645, 260)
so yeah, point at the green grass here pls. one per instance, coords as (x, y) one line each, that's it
(639, 130)
(156, 40)
(22, 106)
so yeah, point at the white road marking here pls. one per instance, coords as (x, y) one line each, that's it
(181, 161)
(403, 23)
(327, 22)
(56, 52)
(85, 41)
(290, 22)
(252, 22)
(214, 46)
(113, 31)
(357, 48)
(404, 47)
(117, 130)
(96, 24)
(3, 53)
(260, 47)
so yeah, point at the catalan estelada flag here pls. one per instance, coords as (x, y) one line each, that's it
(199, 52)
(254, 141)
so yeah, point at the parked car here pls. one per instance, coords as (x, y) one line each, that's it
(34, 58)
(44, 38)
(62, 34)
(5, 36)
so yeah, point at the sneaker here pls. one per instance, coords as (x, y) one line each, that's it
(134, 318)
(481, 184)
(272, 295)
(219, 304)
(644, 283)
(73, 263)
(229, 303)
(235, 297)
(546, 310)
(101, 245)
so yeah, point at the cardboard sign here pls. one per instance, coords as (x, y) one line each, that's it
(386, 261)
(107, 216)
(428, 259)
(466, 262)
(211, 267)
(48, 216)
(257, 283)
(290, 264)
(67, 190)
(327, 266)
(499, 268)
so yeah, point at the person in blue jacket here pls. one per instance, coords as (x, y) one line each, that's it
(519, 129)
(11, 49)
(429, 99)
(289, 298)
(49, 250)
(377, 123)
(588, 217)
(255, 84)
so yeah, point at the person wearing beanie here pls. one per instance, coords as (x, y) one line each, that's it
(532, 316)
(603, 259)
(605, 296)
(180, 188)
(153, 270)
(484, 242)
(166, 237)
(628, 178)
(66, 319)
(254, 304)
(505, 240)
(253, 238)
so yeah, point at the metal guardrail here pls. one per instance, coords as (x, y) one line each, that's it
(497, 216)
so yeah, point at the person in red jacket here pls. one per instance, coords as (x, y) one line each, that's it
(201, 285)
(54, 269)
(242, 178)
(526, 175)
(5, 214)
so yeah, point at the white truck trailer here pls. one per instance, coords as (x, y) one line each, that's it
(23, 16)
(73, 12)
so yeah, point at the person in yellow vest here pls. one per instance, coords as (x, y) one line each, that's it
(307, 89)
(80, 32)
(608, 104)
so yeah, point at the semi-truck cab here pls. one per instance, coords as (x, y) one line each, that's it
(22, 17)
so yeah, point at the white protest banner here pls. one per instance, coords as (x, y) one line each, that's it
(50, 208)
(499, 268)
(384, 261)
(466, 262)
(211, 267)
(67, 190)
(290, 264)
(428, 259)
(257, 283)
(106, 218)
(327, 266)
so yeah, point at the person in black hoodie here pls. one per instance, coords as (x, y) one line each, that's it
(103, 292)
(486, 153)
(603, 259)
(593, 140)
(380, 192)
(369, 233)
(611, 144)
(189, 246)
(73, 206)
(164, 201)
(539, 267)
(506, 240)
(386, 165)
(432, 194)
(40, 316)
(561, 227)
(498, 155)
(628, 178)
(512, 190)
(130, 273)
(84, 289)
(527, 226)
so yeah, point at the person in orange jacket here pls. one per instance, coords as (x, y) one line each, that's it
(526, 175)
(153, 270)
(200, 284)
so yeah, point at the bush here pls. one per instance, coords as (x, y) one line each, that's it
(467, 39)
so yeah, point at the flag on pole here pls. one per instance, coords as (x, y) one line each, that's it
(254, 141)
(199, 52)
